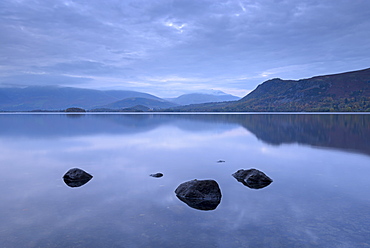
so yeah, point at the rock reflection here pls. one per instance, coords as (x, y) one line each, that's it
(75, 115)
(76, 177)
(201, 204)
(252, 178)
(200, 194)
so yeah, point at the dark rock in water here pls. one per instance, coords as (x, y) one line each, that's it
(252, 178)
(156, 175)
(200, 194)
(76, 174)
(76, 177)
(221, 161)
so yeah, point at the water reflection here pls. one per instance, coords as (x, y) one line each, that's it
(200, 204)
(339, 131)
(310, 203)
(75, 115)
(342, 131)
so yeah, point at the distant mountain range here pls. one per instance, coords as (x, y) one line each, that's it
(348, 92)
(54, 98)
(196, 98)
(59, 98)
(139, 101)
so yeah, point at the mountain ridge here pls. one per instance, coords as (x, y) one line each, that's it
(342, 92)
(196, 98)
(346, 91)
(137, 101)
(57, 98)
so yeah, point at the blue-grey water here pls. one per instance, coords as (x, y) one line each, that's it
(319, 197)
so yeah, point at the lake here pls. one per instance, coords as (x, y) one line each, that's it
(319, 164)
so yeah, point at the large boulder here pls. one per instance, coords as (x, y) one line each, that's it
(76, 177)
(200, 194)
(252, 178)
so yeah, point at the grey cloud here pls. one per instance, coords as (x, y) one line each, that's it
(279, 31)
(188, 38)
(85, 68)
(31, 79)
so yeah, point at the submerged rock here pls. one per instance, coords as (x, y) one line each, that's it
(200, 194)
(76, 177)
(252, 178)
(156, 175)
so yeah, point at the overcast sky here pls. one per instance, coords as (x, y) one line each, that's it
(170, 47)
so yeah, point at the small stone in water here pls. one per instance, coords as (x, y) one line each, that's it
(156, 175)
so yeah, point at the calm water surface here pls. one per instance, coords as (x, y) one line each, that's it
(320, 166)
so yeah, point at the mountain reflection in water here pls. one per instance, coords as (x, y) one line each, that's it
(339, 131)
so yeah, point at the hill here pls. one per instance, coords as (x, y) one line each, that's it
(339, 92)
(196, 98)
(59, 98)
(137, 101)
(348, 92)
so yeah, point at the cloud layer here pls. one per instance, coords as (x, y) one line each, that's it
(169, 47)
